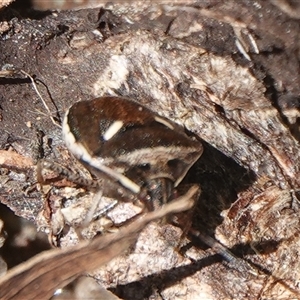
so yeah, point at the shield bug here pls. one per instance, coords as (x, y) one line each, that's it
(138, 154)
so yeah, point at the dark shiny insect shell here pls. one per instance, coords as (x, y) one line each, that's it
(123, 141)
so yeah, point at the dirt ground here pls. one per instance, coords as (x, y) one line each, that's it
(228, 71)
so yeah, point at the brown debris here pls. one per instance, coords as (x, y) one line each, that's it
(11, 159)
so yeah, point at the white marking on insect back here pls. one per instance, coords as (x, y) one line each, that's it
(112, 130)
(66, 132)
(96, 163)
(80, 152)
(162, 155)
(164, 122)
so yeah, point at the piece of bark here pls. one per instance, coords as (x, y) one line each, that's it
(4, 3)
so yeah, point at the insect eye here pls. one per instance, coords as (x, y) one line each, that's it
(144, 167)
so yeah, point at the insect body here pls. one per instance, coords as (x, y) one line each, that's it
(137, 153)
